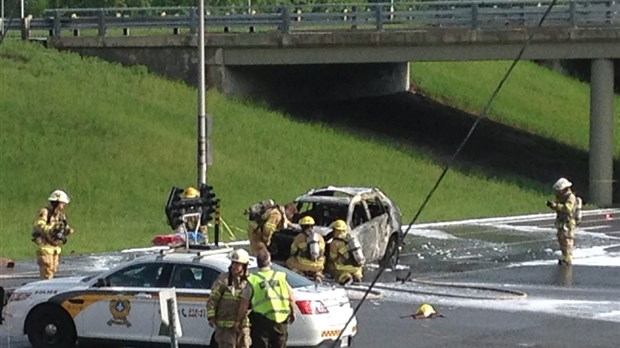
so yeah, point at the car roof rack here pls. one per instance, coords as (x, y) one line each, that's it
(201, 251)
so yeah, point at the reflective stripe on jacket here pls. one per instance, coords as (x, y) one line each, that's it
(49, 249)
(270, 295)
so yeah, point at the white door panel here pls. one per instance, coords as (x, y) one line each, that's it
(119, 314)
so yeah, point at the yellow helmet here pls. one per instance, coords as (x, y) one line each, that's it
(340, 225)
(306, 220)
(191, 192)
(425, 311)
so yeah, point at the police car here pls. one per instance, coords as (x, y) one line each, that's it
(121, 306)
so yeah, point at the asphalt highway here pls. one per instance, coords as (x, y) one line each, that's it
(495, 281)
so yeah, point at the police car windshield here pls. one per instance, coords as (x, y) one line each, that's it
(295, 280)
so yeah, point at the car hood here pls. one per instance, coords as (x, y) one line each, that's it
(55, 284)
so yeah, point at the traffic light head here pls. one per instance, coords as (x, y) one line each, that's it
(210, 203)
(179, 204)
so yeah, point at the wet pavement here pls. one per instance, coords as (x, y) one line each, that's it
(497, 282)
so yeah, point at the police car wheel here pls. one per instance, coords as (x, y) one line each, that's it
(50, 327)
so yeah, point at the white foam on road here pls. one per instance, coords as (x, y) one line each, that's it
(431, 233)
(597, 310)
(595, 256)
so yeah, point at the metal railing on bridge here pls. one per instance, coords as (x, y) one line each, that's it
(480, 14)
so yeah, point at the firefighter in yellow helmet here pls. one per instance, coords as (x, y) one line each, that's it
(224, 311)
(193, 223)
(564, 206)
(342, 264)
(308, 251)
(271, 220)
(50, 232)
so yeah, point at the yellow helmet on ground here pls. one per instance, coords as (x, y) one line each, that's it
(306, 220)
(425, 311)
(239, 256)
(59, 196)
(340, 225)
(191, 192)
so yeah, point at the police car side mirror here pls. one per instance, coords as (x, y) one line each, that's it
(100, 283)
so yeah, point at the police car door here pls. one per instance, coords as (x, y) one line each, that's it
(123, 304)
(192, 284)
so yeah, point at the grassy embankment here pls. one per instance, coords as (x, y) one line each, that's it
(117, 139)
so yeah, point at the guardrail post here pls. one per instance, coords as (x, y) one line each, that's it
(609, 15)
(354, 17)
(285, 26)
(26, 27)
(57, 24)
(101, 23)
(474, 16)
(572, 19)
(193, 20)
(379, 16)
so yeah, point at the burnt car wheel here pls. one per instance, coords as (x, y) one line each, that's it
(50, 327)
(392, 253)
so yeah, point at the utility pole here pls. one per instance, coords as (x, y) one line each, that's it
(202, 131)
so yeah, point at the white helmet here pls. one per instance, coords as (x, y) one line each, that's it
(59, 196)
(562, 184)
(239, 256)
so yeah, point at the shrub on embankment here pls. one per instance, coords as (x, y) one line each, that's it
(116, 139)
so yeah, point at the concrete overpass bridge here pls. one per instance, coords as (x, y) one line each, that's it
(348, 51)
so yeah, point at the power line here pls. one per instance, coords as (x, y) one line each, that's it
(480, 117)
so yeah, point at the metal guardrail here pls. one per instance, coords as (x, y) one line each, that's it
(480, 14)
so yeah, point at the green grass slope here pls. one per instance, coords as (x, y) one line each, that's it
(116, 139)
(534, 99)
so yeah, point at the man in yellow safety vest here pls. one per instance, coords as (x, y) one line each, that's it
(272, 305)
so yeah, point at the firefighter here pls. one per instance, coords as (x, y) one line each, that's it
(192, 224)
(232, 326)
(273, 219)
(50, 232)
(308, 251)
(344, 264)
(564, 206)
(272, 305)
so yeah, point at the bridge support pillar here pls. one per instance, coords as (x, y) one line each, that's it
(601, 132)
(311, 81)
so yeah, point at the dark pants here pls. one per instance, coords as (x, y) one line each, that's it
(266, 333)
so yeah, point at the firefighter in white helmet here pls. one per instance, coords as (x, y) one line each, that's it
(344, 258)
(308, 251)
(564, 206)
(50, 232)
(232, 328)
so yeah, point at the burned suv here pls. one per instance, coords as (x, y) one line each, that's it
(372, 217)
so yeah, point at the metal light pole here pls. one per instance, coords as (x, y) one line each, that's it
(202, 146)
(2, 15)
(21, 3)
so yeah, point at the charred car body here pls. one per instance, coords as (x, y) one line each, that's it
(373, 218)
